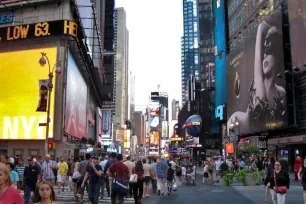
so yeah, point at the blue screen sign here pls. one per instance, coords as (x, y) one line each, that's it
(220, 112)
(6, 18)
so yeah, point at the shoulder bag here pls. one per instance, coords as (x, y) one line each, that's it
(133, 177)
(279, 189)
(118, 185)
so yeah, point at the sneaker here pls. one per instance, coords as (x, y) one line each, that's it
(158, 192)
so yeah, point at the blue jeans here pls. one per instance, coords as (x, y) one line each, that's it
(27, 193)
(93, 193)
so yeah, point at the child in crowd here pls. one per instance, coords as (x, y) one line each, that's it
(44, 193)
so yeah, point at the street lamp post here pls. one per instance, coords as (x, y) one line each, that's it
(42, 61)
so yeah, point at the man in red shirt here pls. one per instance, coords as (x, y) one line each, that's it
(121, 171)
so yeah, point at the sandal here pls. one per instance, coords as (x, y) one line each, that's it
(76, 198)
(266, 200)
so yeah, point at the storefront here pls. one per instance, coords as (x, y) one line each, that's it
(288, 148)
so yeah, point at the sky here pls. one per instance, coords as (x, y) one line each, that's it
(155, 31)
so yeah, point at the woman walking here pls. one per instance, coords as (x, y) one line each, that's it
(205, 176)
(138, 187)
(268, 166)
(302, 178)
(279, 183)
(76, 177)
(147, 177)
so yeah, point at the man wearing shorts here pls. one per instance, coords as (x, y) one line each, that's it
(62, 173)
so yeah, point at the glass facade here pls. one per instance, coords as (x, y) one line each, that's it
(190, 44)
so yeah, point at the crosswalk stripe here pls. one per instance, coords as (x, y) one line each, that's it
(68, 197)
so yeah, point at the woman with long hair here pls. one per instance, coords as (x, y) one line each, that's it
(76, 176)
(279, 183)
(13, 174)
(44, 194)
(147, 177)
(138, 187)
(8, 194)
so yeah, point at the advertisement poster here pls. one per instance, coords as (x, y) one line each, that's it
(210, 75)
(126, 139)
(154, 141)
(297, 20)
(164, 129)
(76, 101)
(154, 122)
(99, 125)
(256, 96)
(20, 94)
(106, 123)
(43, 95)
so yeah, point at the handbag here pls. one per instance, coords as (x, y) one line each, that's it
(119, 186)
(76, 175)
(133, 178)
(279, 189)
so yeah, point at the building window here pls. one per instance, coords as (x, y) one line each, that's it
(302, 104)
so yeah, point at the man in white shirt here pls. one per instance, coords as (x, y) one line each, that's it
(218, 165)
(130, 166)
(103, 177)
(173, 165)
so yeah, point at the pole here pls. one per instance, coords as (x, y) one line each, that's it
(50, 86)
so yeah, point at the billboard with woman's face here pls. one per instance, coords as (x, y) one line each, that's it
(76, 100)
(297, 20)
(256, 96)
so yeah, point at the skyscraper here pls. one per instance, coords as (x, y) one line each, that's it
(121, 66)
(132, 100)
(175, 109)
(190, 44)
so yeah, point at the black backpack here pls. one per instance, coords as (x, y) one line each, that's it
(178, 171)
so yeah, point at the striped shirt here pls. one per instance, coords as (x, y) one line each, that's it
(47, 171)
(20, 171)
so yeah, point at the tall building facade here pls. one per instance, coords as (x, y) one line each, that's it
(121, 66)
(175, 109)
(140, 130)
(132, 101)
(68, 35)
(190, 44)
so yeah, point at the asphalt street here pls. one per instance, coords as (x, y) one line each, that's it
(236, 194)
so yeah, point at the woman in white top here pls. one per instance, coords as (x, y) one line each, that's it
(183, 173)
(205, 176)
(76, 176)
(147, 177)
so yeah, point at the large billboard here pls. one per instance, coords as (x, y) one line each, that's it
(164, 129)
(154, 141)
(76, 101)
(126, 139)
(297, 19)
(256, 96)
(106, 123)
(19, 83)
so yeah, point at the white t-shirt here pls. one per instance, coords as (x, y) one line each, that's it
(183, 171)
(173, 165)
(146, 168)
(218, 165)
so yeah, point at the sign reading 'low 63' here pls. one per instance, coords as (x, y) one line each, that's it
(43, 29)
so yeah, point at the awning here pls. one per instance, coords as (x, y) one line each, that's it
(288, 140)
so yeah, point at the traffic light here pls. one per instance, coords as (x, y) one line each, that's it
(51, 145)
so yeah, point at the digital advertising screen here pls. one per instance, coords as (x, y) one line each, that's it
(76, 101)
(256, 96)
(154, 141)
(297, 20)
(23, 102)
(154, 123)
